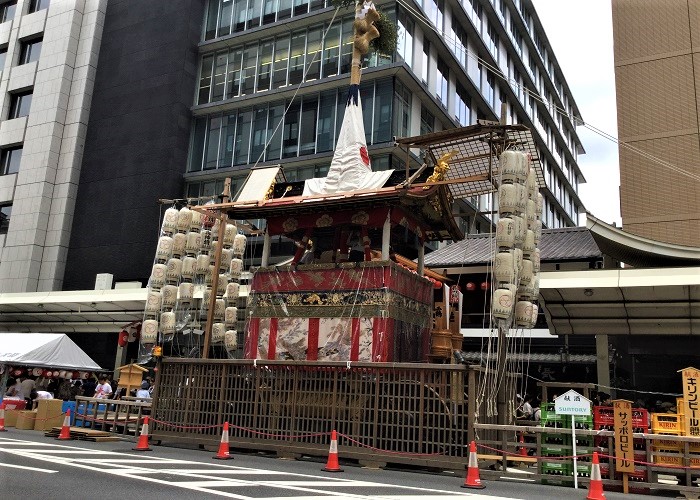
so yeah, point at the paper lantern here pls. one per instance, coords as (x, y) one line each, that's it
(165, 248)
(231, 340)
(48, 374)
(512, 166)
(509, 199)
(523, 313)
(205, 240)
(123, 338)
(183, 219)
(169, 296)
(471, 286)
(149, 331)
(179, 243)
(219, 308)
(208, 276)
(531, 213)
(226, 257)
(230, 315)
(62, 374)
(167, 323)
(502, 303)
(232, 292)
(188, 264)
(535, 311)
(504, 267)
(518, 260)
(195, 221)
(206, 299)
(202, 265)
(75, 375)
(526, 273)
(158, 275)
(505, 233)
(531, 184)
(154, 300)
(84, 375)
(218, 333)
(485, 285)
(239, 245)
(540, 203)
(37, 372)
(192, 243)
(221, 285)
(454, 294)
(185, 292)
(529, 243)
(535, 258)
(212, 252)
(229, 235)
(236, 269)
(520, 225)
(174, 270)
(170, 220)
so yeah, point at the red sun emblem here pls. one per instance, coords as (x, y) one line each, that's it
(364, 155)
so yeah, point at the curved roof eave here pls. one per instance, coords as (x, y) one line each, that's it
(638, 251)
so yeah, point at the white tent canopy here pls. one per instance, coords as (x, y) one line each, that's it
(54, 350)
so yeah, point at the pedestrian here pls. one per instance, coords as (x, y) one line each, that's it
(144, 392)
(103, 389)
(89, 387)
(14, 389)
(37, 395)
(64, 390)
(28, 385)
(76, 390)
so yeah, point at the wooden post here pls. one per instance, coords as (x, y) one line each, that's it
(264, 262)
(223, 218)
(386, 236)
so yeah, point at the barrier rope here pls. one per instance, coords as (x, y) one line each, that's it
(390, 452)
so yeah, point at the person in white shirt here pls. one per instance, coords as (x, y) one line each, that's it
(103, 389)
(143, 392)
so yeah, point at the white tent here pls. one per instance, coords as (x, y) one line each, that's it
(54, 350)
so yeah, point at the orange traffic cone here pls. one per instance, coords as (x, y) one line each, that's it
(142, 444)
(523, 450)
(2, 420)
(332, 465)
(472, 480)
(223, 453)
(595, 488)
(65, 429)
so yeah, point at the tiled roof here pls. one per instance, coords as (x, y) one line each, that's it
(556, 245)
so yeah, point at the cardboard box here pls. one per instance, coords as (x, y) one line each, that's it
(26, 419)
(11, 417)
(48, 414)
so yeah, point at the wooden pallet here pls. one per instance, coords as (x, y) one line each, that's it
(84, 434)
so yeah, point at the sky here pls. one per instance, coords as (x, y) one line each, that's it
(580, 33)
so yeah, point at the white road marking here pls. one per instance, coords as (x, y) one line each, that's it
(28, 468)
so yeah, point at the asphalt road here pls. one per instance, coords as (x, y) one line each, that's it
(33, 466)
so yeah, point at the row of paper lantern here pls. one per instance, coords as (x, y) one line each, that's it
(43, 372)
(518, 231)
(203, 243)
(188, 269)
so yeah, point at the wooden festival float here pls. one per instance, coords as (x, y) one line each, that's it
(347, 334)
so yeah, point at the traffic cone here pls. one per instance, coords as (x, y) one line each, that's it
(65, 429)
(595, 487)
(2, 420)
(142, 444)
(332, 465)
(472, 480)
(523, 450)
(223, 453)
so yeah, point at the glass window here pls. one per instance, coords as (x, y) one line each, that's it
(301, 7)
(346, 47)
(265, 71)
(233, 81)
(402, 110)
(383, 97)
(20, 104)
(317, 4)
(199, 134)
(280, 62)
(274, 117)
(367, 102)
(326, 122)
(331, 51)
(404, 46)
(313, 49)
(489, 90)
(36, 5)
(426, 61)
(7, 11)
(427, 120)
(259, 132)
(296, 58)
(285, 10)
(3, 56)
(239, 13)
(5, 213)
(205, 79)
(463, 106)
(212, 152)
(441, 84)
(30, 51)
(228, 132)
(492, 41)
(225, 14)
(250, 59)
(269, 11)
(210, 25)
(242, 143)
(254, 13)
(290, 134)
(10, 159)
(307, 129)
(220, 62)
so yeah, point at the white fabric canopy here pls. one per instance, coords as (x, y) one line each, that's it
(53, 350)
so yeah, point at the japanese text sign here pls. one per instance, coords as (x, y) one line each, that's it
(691, 401)
(624, 449)
(572, 403)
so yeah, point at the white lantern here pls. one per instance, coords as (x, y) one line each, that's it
(531, 213)
(188, 264)
(502, 303)
(183, 219)
(153, 301)
(174, 269)
(149, 331)
(535, 258)
(239, 245)
(526, 273)
(232, 292)
(206, 299)
(508, 201)
(208, 275)
(226, 257)
(236, 269)
(531, 184)
(170, 220)
(503, 267)
(535, 311)
(202, 264)
(535, 285)
(218, 333)
(231, 340)
(523, 312)
(212, 252)
(167, 323)
(221, 285)
(540, 204)
(526, 291)
(229, 235)
(219, 308)
(158, 274)
(231, 315)
(165, 248)
(520, 228)
(505, 233)
(196, 221)
(179, 242)
(518, 260)
(194, 241)
(169, 295)
(510, 164)
(537, 229)
(205, 242)
(186, 292)
(529, 243)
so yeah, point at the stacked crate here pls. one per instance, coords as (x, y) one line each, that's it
(672, 424)
(559, 445)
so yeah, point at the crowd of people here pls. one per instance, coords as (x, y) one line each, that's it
(31, 388)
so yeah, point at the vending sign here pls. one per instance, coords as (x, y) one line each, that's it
(624, 449)
(691, 401)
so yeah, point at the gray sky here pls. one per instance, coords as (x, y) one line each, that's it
(580, 32)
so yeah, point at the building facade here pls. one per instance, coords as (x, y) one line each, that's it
(658, 101)
(191, 92)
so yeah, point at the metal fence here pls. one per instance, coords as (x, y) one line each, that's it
(383, 412)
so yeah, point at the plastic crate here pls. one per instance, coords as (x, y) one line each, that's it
(675, 460)
(554, 450)
(604, 418)
(583, 470)
(666, 423)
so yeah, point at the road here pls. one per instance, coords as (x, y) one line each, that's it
(33, 466)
